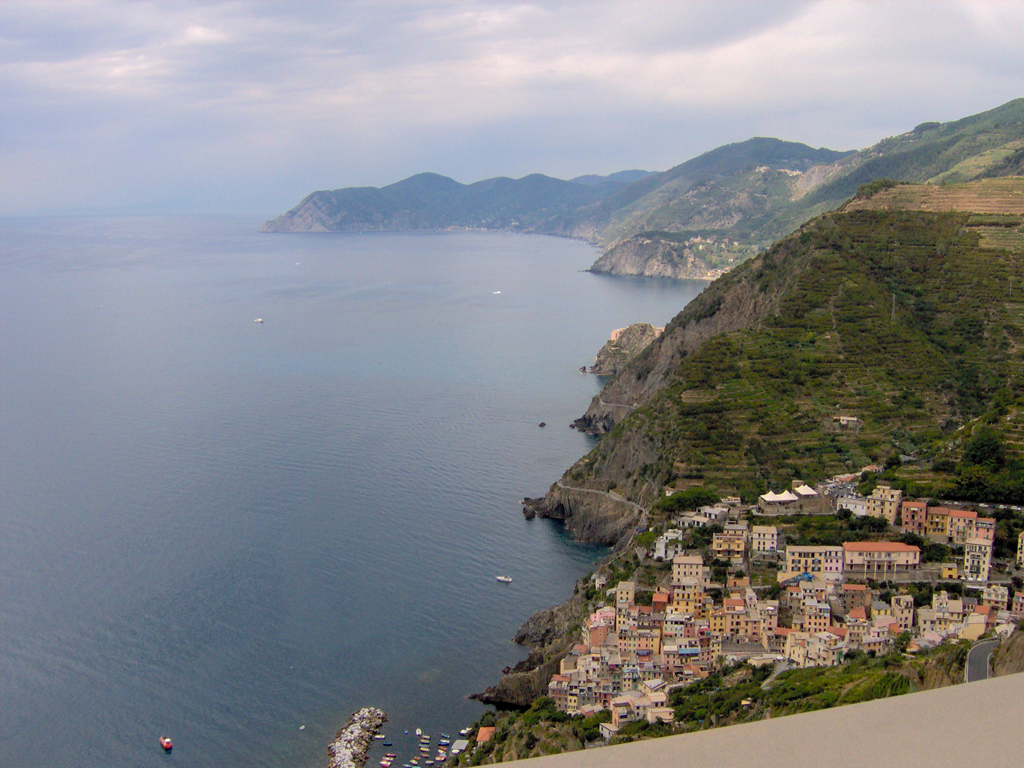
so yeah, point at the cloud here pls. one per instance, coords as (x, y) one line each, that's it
(242, 105)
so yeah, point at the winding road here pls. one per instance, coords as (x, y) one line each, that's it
(978, 659)
(610, 495)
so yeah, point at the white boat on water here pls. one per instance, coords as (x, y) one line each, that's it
(505, 579)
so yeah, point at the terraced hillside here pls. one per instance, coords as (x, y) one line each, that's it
(751, 207)
(998, 205)
(910, 320)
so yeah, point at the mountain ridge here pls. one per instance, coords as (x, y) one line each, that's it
(697, 219)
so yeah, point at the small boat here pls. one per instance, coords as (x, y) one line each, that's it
(258, 320)
(418, 732)
(165, 742)
(388, 744)
(505, 579)
(464, 732)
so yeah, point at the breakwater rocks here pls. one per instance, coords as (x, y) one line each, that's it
(351, 744)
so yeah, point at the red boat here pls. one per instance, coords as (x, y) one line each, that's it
(165, 742)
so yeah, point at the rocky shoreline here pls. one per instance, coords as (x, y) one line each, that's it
(352, 743)
(549, 634)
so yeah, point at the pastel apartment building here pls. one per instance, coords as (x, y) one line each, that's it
(977, 559)
(689, 567)
(903, 611)
(824, 562)
(946, 525)
(878, 559)
(944, 614)
(858, 505)
(731, 543)
(764, 539)
(885, 502)
(914, 517)
(996, 596)
(1017, 607)
(819, 649)
(1020, 550)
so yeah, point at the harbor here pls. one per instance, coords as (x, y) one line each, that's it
(351, 744)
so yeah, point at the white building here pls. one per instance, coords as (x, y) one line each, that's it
(856, 504)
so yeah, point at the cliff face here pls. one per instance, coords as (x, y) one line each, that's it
(624, 344)
(732, 303)
(649, 256)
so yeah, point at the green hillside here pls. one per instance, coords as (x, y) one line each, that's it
(910, 320)
(666, 201)
(747, 208)
(431, 201)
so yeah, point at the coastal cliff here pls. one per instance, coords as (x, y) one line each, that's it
(729, 304)
(549, 634)
(897, 308)
(696, 220)
(624, 344)
(658, 257)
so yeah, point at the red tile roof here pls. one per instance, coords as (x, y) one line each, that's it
(879, 546)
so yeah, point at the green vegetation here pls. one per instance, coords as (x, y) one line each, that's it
(830, 530)
(899, 317)
(689, 499)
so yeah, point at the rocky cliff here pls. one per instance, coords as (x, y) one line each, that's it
(624, 344)
(549, 634)
(732, 303)
(1009, 657)
(658, 256)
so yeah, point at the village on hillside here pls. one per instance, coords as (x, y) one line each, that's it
(731, 582)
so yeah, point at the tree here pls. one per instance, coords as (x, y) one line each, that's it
(985, 450)
(691, 498)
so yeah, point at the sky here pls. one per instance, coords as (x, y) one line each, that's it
(186, 106)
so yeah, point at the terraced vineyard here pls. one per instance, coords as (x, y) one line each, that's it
(905, 309)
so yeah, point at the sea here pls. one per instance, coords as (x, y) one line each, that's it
(236, 533)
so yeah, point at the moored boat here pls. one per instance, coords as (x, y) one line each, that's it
(165, 742)
(504, 579)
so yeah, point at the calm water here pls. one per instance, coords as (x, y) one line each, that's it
(221, 530)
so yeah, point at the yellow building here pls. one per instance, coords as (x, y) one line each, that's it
(885, 502)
